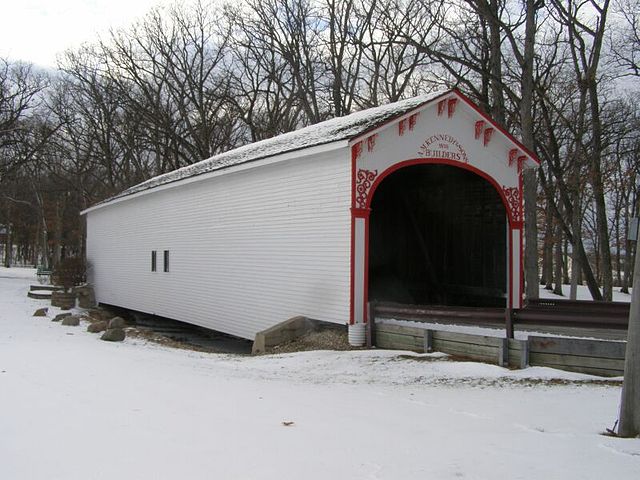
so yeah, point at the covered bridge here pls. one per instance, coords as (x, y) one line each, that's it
(415, 202)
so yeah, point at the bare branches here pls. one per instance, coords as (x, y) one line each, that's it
(187, 82)
(20, 89)
(625, 39)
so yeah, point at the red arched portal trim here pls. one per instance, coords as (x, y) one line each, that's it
(513, 217)
(364, 210)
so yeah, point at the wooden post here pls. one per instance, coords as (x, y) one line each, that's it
(524, 354)
(371, 319)
(503, 353)
(508, 317)
(630, 406)
(428, 341)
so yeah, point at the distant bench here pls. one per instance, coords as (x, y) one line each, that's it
(43, 274)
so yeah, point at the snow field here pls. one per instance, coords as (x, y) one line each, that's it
(583, 294)
(73, 407)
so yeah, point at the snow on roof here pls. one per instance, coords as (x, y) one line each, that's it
(336, 129)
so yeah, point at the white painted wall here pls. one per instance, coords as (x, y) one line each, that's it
(248, 249)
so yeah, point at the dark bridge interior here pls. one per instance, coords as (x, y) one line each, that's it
(437, 236)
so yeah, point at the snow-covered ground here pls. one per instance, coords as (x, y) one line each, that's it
(73, 407)
(583, 294)
(19, 272)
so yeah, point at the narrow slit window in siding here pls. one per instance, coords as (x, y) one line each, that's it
(153, 260)
(166, 260)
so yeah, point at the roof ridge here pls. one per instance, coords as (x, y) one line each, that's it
(332, 130)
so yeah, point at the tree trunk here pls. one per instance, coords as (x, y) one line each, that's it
(575, 276)
(628, 255)
(624, 286)
(634, 251)
(547, 250)
(618, 255)
(544, 275)
(495, 62)
(596, 159)
(575, 239)
(629, 422)
(57, 235)
(8, 246)
(46, 263)
(601, 216)
(530, 183)
(580, 275)
(35, 259)
(576, 270)
(558, 261)
(565, 262)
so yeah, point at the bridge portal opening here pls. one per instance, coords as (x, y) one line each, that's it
(437, 236)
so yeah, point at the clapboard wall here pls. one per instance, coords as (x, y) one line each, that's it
(248, 249)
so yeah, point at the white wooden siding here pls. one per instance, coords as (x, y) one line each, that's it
(248, 249)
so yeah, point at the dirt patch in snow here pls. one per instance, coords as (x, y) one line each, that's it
(326, 339)
(195, 340)
(475, 382)
(98, 314)
(147, 334)
(329, 339)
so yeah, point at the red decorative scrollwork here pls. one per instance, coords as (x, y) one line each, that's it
(479, 128)
(521, 160)
(488, 133)
(401, 127)
(371, 142)
(356, 150)
(364, 180)
(451, 106)
(514, 156)
(441, 105)
(514, 200)
(412, 121)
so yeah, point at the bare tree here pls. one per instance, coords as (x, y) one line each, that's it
(625, 39)
(294, 29)
(264, 89)
(20, 89)
(585, 37)
(349, 21)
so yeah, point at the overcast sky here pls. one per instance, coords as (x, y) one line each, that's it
(37, 30)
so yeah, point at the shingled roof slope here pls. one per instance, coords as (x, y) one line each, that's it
(336, 129)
